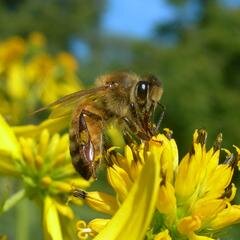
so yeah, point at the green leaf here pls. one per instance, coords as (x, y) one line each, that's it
(12, 201)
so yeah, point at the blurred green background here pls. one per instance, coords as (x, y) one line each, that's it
(192, 45)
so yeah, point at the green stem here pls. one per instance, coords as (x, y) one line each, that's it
(22, 220)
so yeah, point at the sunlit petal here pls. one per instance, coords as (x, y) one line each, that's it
(197, 237)
(51, 220)
(228, 216)
(166, 202)
(188, 225)
(102, 202)
(164, 235)
(119, 180)
(53, 126)
(131, 222)
(8, 141)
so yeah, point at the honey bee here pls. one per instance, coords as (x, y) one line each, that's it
(124, 97)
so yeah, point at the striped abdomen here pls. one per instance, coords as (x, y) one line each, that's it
(85, 137)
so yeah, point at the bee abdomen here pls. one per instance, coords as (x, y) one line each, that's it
(82, 154)
(73, 147)
(73, 144)
(83, 167)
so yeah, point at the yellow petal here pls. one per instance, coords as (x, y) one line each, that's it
(61, 187)
(197, 237)
(191, 169)
(227, 217)
(166, 202)
(27, 146)
(78, 182)
(64, 210)
(51, 221)
(169, 158)
(126, 162)
(16, 85)
(98, 224)
(184, 178)
(220, 179)
(212, 161)
(164, 235)
(123, 161)
(102, 202)
(46, 181)
(188, 225)
(43, 141)
(174, 154)
(207, 209)
(7, 166)
(134, 216)
(53, 126)
(119, 180)
(8, 141)
(75, 201)
(132, 163)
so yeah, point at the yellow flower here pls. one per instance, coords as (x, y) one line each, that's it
(11, 50)
(3, 237)
(192, 199)
(202, 192)
(67, 61)
(37, 39)
(31, 77)
(140, 167)
(42, 162)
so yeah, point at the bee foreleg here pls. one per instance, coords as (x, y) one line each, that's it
(135, 114)
(128, 138)
(134, 129)
(159, 122)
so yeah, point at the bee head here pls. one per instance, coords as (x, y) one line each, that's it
(148, 91)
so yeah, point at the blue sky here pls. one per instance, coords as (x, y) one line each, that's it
(135, 17)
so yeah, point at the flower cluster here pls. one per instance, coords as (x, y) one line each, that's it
(30, 77)
(34, 159)
(42, 163)
(161, 199)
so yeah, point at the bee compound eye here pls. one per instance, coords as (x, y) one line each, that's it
(142, 90)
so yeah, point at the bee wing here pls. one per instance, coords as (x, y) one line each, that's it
(64, 106)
